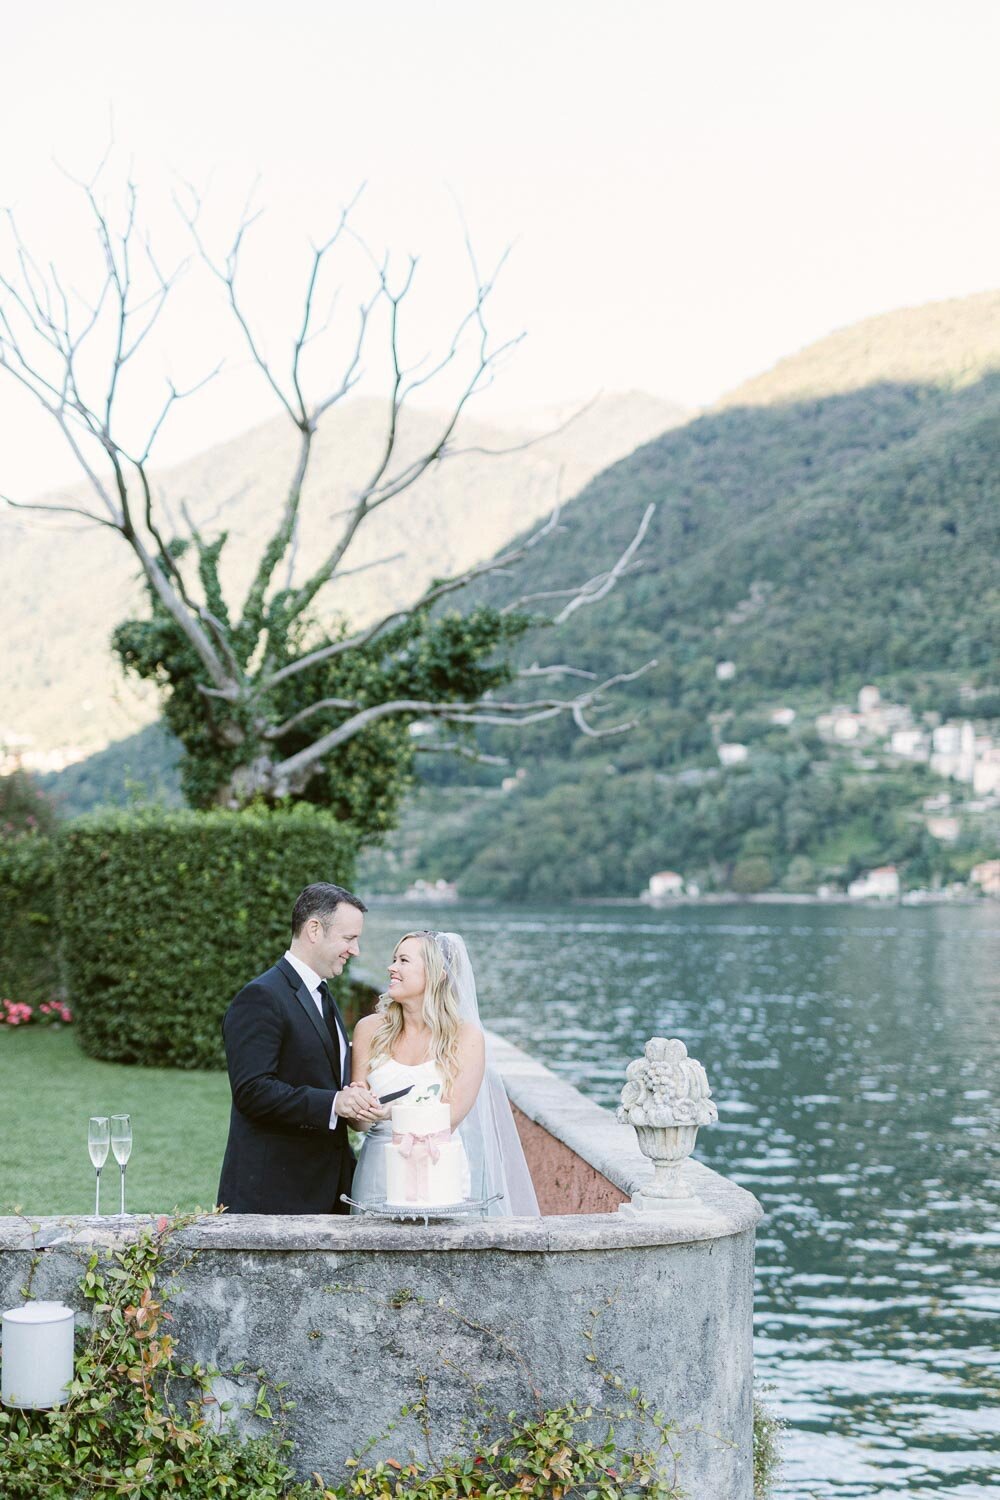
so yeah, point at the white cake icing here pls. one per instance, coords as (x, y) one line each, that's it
(421, 1132)
(420, 1119)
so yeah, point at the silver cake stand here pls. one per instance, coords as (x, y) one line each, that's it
(468, 1209)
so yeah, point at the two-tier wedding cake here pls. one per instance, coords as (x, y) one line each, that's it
(424, 1164)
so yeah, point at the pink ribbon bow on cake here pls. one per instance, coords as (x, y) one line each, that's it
(418, 1151)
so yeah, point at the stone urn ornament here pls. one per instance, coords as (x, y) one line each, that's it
(666, 1097)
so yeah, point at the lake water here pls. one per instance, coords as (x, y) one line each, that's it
(854, 1055)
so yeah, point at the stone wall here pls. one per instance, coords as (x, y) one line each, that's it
(358, 1316)
(565, 1183)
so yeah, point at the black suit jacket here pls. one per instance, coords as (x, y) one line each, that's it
(284, 1069)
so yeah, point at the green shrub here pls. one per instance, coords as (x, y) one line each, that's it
(751, 875)
(29, 966)
(767, 1431)
(163, 916)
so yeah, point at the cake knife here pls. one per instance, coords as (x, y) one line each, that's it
(388, 1098)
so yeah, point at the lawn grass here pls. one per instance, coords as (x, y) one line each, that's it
(49, 1090)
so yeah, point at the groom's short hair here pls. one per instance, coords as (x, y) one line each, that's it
(321, 900)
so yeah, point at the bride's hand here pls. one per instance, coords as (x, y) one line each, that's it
(357, 1102)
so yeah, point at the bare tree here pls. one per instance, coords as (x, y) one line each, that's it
(259, 697)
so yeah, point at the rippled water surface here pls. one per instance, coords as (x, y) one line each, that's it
(854, 1055)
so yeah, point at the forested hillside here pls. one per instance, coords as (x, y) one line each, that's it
(818, 542)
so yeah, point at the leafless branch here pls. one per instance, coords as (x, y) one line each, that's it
(61, 510)
(304, 416)
(532, 442)
(467, 752)
(226, 274)
(382, 485)
(49, 319)
(174, 395)
(278, 731)
(600, 734)
(378, 562)
(596, 588)
(560, 670)
(429, 597)
(318, 253)
(491, 712)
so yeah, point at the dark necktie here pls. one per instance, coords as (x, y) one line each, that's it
(330, 1017)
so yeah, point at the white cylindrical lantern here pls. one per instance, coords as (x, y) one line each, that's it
(37, 1355)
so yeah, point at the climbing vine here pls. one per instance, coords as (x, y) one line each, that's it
(140, 1421)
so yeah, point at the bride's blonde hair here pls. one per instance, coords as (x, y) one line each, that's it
(440, 1013)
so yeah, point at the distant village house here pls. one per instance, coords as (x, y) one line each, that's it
(987, 876)
(880, 884)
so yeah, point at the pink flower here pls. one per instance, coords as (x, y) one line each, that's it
(15, 1013)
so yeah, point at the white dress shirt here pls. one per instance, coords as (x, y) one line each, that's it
(312, 982)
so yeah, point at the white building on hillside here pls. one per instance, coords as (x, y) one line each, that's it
(880, 884)
(987, 876)
(732, 755)
(986, 772)
(910, 743)
(847, 726)
(954, 752)
(944, 828)
(431, 890)
(664, 884)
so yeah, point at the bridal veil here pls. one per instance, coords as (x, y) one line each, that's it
(492, 1144)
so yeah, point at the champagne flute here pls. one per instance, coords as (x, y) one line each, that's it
(98, 1141)
(121, 1146)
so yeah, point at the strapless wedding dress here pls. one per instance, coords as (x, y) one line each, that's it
(369, 1174)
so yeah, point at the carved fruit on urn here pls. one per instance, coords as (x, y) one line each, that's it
(666, 1097)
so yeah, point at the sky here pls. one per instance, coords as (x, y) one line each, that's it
(688, 191)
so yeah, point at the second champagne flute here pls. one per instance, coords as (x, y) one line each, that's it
(98, 1140)
(121, 1146)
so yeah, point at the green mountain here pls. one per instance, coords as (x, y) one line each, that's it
(144, 768)
(833, 523)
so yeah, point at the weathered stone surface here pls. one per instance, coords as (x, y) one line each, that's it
(564, 1182)
(355, 1314)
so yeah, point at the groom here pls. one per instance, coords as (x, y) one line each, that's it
(289, 1063)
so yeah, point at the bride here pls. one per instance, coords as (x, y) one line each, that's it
(426, 1030)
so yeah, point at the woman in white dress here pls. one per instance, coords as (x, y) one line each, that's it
(426, 1030)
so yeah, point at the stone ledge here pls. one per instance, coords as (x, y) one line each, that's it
(595, 1135)
(339, 1235)
(592, 1133)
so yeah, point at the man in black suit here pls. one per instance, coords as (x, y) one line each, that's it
(289, 1063)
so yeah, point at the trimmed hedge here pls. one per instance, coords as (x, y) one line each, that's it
(164, 916)
(29, 959)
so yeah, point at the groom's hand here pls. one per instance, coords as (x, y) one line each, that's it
(358, 1102)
